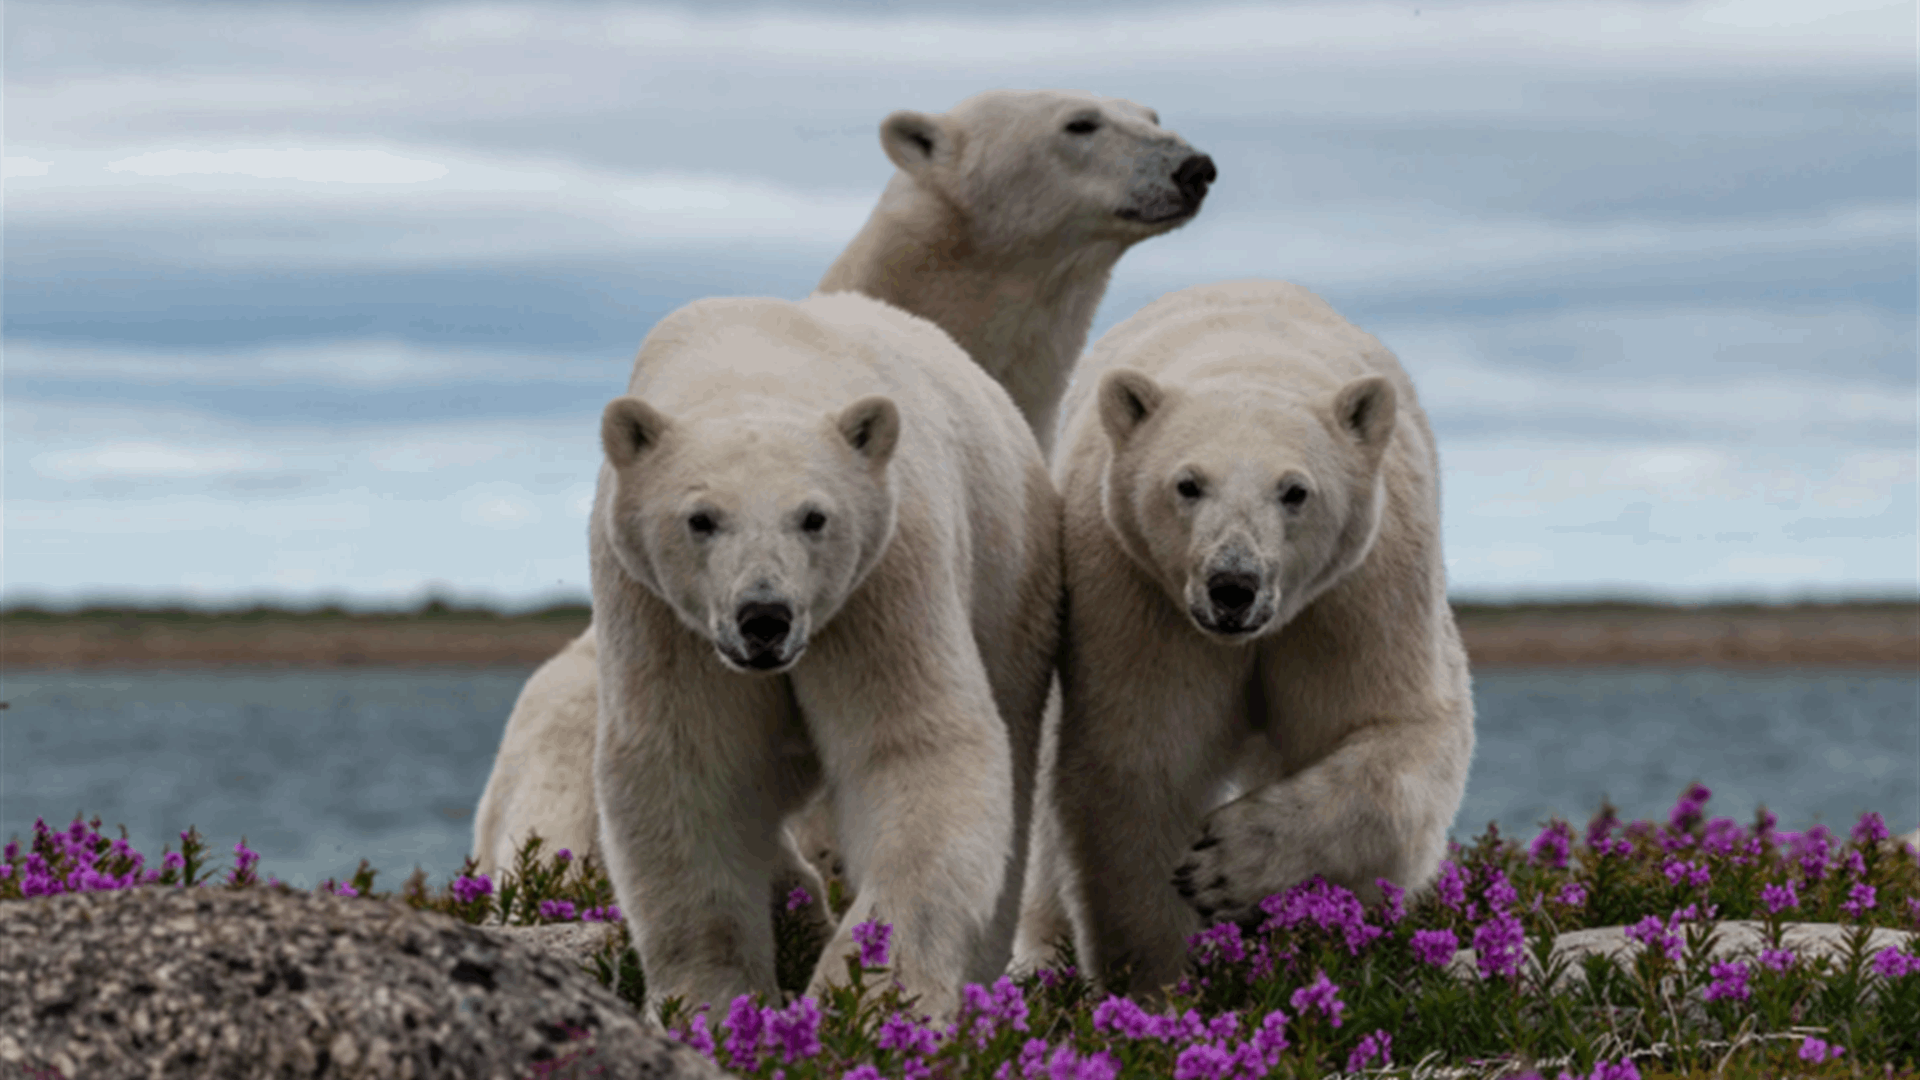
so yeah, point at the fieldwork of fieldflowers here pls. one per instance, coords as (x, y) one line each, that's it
(1322, 984)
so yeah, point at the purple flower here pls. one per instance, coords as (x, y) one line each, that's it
(610, 913)
(862, 1072)
(1219, 944)
(1600, 827)
(1686, 813)
(1860, 900)
(695, 1034)
(1500, 892)
(795, 1030)
(873, 937)
(1778, 959)
(989, 1009)
(1729, 981)
(1451, 885)
(1603, 1070)
(1377, 1045)
(1779, 898)
(1653, 933)
(1065, 1064)
(1435, 947)
(12, 850)
(1322, 994)
(902, 1033)
(1203, 1061)
(173, 860)
(556, 910)
(467, 889)
(745, 1025)
(1499, 941)
(1818, 1050)
(1330, 907)
(1894, 964)
(1872, 829)
(1393, 905)
(563, 856)
(1814, 846)
(1692, 873)
(1572, 894)
(1552, 846)
(1722, 836)
(346, 888)
(798, 898)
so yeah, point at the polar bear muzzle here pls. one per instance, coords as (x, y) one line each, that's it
(763, 637)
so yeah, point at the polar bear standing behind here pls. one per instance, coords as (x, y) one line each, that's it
(825, 552)
(1256, 596)
(1001, 226)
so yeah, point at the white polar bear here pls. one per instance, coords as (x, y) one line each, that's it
(1002, 225)
(1256, 601)
(825, 554)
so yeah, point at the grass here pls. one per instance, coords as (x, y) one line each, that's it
(1322, 985)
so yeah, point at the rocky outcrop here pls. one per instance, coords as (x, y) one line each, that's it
(171, 982)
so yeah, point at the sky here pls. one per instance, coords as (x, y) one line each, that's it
(320, 302)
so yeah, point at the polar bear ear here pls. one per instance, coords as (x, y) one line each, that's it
(1127, 399)
(915, 140)
(628, 428)
(872, 427)
(1365, 409)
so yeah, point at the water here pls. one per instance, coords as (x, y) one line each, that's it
(321, 768)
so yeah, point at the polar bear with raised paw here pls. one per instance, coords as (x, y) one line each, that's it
(1002, 225)
(825, 556)
(1256, 604)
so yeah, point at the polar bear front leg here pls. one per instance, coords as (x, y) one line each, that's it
(1377, 807)
(692, 786)
(922, 774)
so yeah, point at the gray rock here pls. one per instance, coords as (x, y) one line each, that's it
(574, 942)
(170, 982)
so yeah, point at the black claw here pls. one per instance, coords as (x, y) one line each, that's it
(1205, 842)
(1219, 882)
(1205, 911)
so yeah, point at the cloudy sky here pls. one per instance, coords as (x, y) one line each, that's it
(322, 300)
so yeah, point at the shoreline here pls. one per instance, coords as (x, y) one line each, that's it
(1855, 637)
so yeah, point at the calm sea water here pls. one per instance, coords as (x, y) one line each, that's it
(318, 769)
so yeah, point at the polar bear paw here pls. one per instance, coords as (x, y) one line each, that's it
(1240, 859)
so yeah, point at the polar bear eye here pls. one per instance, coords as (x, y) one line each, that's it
(1292, 496)
(1083, 126)
(1188, 488)
(702, 524)
(814, 521)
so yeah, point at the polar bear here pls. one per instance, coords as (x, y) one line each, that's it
(1256, 603)
(1006, 218)
(825, 555)
(1001, 225)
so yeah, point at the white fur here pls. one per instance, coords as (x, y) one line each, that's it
(910, 685)
(1003, 234)
(1299, 660)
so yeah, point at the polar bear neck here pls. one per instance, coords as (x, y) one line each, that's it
(1021, 312)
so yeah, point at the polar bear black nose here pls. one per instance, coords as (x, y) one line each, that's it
(1232, 594)
(764, 626)
(1192, 178)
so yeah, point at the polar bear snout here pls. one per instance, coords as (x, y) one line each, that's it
(764, 637)
(1192, 178)
(1232, 600)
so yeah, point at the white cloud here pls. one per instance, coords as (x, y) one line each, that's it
(24, 166)
(148, 460)
(333, 165)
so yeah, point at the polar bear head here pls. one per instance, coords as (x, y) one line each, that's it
(1244, 505)
(755, 530)
(1026, 165)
